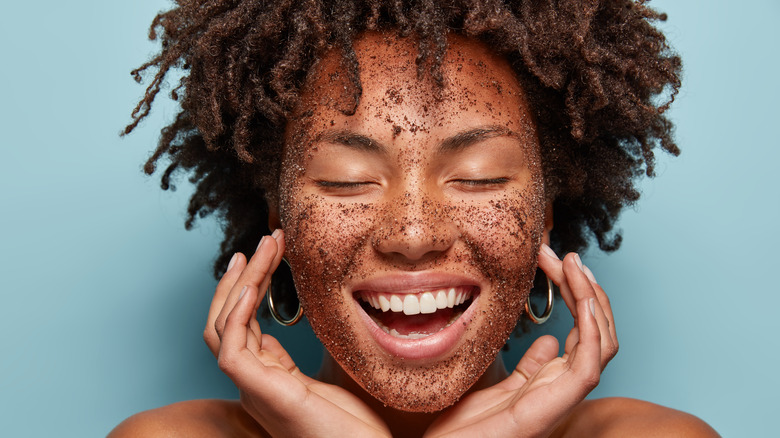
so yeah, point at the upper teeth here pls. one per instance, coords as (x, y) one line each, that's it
(412, 304)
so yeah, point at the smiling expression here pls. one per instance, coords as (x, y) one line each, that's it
(413, 225)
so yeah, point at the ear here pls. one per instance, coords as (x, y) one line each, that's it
(548, 223)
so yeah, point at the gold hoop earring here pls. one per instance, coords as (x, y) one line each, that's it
(547, 310)
(274, 313)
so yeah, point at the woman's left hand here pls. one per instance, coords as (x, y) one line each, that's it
(544, 388)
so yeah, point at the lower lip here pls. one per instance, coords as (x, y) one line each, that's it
(430, 347)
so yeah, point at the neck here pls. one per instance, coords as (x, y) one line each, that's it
(401, 423)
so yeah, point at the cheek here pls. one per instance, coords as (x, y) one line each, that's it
(324, 241)
(503, 239)
(505, 234)
(325, 244)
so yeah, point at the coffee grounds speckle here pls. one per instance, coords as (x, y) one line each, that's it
(331, 245)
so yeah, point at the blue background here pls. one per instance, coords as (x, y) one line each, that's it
(104, 294)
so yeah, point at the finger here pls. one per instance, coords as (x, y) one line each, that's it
(608, 345)
(266, 282)
(567, 275)
(573, 282)
(252, 275)
(253, 343)
(273, 347)
(606, 305)
(579, 284)
(539, 353)
(236, 265)
(234, 336)
(257, 269)
(570, 277)
(582, 288)
(571, 340)
(254, 326)
(585, 359)
(254, 334)
(552, 266)
(600, 294)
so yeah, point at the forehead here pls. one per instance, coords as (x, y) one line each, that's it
(478, 87)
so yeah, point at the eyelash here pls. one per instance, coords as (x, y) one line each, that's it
(342, 184)
(482, 182)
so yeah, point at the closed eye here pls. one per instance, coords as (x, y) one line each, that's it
(342, 184)
(346, 188)
(479, 185)
(482, 182)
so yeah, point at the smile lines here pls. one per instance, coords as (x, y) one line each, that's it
(413, 304)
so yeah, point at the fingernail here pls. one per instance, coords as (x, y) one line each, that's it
(592, 303)
(579, 262)
(232, 261)
(549, 251)
(277, 232)
(243, 291)
(260, 244)
(589, 274)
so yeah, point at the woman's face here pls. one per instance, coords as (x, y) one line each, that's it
(413, 225)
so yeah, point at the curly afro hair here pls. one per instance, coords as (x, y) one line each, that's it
(598, 76)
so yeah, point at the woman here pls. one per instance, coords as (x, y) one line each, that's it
(416, 163)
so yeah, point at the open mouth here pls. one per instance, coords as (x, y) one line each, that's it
(416, 315)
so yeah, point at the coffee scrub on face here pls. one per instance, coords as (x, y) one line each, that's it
(423, 180)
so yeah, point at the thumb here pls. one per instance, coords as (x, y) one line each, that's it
(541, 351)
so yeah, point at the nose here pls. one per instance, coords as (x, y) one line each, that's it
(416, 228)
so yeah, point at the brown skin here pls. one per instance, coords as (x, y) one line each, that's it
(337, 235)
(417, 208)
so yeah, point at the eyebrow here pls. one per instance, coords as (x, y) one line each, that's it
(465, 139)
(455, 143)
(351, 140)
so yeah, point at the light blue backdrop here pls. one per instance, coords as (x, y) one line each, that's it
(104, 293)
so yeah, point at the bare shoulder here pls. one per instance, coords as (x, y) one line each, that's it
(620, 417)
(194, 418)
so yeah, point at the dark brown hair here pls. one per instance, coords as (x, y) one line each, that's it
(598, 74)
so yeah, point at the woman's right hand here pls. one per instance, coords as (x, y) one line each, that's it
(283, 400)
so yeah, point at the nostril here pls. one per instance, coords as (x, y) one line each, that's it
(415, 240)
